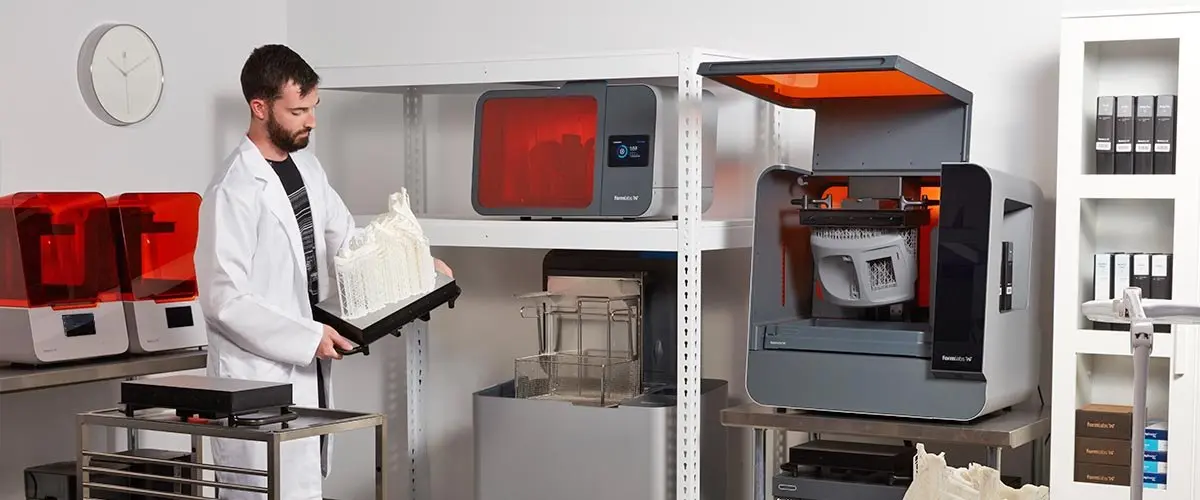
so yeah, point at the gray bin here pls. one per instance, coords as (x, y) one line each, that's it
(528, 449)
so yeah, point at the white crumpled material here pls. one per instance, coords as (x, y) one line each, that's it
(934, 480)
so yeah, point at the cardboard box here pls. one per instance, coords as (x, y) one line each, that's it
(1104, 421)
(1102, 474)
(1103, 451)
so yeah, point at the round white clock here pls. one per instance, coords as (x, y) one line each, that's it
(120, 74)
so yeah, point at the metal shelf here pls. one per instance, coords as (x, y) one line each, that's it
(689, 236)
(21, 379)
(649, 236)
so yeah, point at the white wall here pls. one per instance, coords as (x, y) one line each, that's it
(1073, 7)
(49, 140)
(1006, 53)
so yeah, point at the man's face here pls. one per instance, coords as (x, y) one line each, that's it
(292, 117)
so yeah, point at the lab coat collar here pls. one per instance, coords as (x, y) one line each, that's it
(275, 197)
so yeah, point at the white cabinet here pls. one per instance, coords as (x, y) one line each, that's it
(1128, 213)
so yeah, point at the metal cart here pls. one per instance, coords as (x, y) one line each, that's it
(310, 422)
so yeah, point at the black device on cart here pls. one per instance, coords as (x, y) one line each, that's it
(241, 402)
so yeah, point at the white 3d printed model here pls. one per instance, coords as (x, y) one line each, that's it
(934, 480)
(385, 262)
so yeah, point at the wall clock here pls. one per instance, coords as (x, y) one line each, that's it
(120, 74)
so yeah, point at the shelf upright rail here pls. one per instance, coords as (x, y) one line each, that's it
(415, 353)
(687, 414)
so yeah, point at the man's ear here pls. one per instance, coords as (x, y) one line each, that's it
(260, 108)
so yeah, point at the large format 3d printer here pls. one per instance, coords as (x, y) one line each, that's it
(892, 277)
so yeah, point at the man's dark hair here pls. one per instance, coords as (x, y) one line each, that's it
(270, 67)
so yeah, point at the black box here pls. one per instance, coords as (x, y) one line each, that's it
(1143, 135)
(1106, 106)
(158, 469)
(1164, 134)
(58, 481)
(1123, 136)
(205, 397)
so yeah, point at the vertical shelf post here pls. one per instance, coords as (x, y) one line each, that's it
(416, 335)
(687, 414)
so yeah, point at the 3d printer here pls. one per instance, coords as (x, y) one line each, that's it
(59, 289)
(588, 149)
(893, 266)
(155, 236)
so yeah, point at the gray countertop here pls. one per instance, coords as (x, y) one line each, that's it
(20, 379)
(1009, 429)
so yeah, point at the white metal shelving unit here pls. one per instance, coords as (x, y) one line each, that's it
(690, 235)
(1132, 54)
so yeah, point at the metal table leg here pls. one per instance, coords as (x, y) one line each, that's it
(760, 464)
(274, 481)
(993, 457)
(381, 461)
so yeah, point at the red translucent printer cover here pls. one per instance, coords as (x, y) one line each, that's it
(57, 250)
(537, 152)
(156, 237)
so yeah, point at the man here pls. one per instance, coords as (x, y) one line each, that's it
(269, 226)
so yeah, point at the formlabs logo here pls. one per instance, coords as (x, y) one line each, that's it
(957, 359)
(625, 197)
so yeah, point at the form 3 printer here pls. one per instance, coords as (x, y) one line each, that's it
(588, 149)
(893, 277)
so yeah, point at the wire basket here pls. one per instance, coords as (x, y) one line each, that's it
(602, 367)
(594, 378)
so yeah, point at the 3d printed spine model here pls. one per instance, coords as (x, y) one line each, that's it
(385, 262)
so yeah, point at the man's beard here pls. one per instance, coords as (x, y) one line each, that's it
(282, 139)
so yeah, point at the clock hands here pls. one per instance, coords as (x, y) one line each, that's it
(125, 73)
(117, 66)
(135, 66)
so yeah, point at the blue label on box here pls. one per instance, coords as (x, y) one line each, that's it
(1154, 467)
(1155, 445)
(1159, 434)
(1154, 477)
(1154, 456)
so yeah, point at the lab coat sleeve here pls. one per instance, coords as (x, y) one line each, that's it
(228, 238)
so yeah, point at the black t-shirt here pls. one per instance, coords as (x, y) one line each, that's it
(297, 193)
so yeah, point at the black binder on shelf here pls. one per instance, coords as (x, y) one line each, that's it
(1143, 135)
(1161, 279)
(365, 330)
(1166, 108)
(1102, 288)
(1141, 273)
(1105, 122)
(1123, 136)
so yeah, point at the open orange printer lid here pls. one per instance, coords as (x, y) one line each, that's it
(792, 82)
(875, 115)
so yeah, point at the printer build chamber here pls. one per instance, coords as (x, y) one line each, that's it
(155, 235)
(59, 288)
(587, 149)
(591, 415)
(893, 264)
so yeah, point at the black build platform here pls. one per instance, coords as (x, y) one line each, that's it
(365, 330)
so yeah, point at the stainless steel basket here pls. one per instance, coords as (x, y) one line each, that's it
(602, 367)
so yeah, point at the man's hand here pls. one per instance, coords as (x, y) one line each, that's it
(325, 350)
(441, 267)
